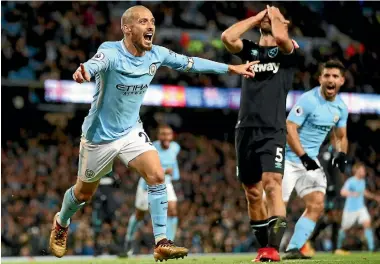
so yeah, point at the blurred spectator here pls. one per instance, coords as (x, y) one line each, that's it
(46, 40)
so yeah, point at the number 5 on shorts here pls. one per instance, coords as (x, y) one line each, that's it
(279, 159)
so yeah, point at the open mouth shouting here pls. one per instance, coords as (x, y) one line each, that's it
(331, 89)
(148, 37)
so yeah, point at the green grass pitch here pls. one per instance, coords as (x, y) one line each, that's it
(354, 258)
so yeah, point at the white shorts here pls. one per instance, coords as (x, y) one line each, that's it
(96, 160)
(141, 201)
(305, 182)
(349, 218)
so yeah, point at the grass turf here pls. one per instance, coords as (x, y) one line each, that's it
(354, 258)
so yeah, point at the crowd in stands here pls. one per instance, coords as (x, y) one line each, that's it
(39, 167)
(48, 40)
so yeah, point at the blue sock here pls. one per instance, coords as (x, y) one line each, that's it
(158, 208)
(133, 226)
(172, 227)
(70, 206)
(303, 229)
(369, 236)
(341, 237)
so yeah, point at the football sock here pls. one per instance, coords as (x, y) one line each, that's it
(70, 206)
(304, 227)
(320, 226)
(369, 236)
(172, 227)
(133, 226)
(260, 229)
(341, 237)
(276, 232)
(158, 207)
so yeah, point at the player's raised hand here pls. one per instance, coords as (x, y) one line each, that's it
(261, 15)
(243, 69)
(274, 12)
(81, 75)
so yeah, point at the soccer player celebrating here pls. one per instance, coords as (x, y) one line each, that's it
(260, 130)
(123, 71)
(355, 210)
(310, 120)
(167, 151)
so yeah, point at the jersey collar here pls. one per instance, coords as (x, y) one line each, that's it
(128, 53)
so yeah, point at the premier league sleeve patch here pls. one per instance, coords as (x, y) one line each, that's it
(99, 56)
(298, 110)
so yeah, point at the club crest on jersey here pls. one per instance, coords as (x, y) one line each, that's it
(99, 56)
(336, 118)
(152, 69)
(298, 110)
(254, 53)
(273, 52)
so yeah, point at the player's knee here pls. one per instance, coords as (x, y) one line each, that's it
(271, 187)
(172, 210)
(82, 196)
(156, 177)
(84, 193)
(367, 224)
(253, 194)
(315, 207)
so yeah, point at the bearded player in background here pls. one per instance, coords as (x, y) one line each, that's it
(312, 117)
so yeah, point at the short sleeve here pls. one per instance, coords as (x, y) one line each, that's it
(301, 110)
(343, 118)
(248, 50)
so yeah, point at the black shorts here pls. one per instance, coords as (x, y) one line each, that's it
(259, 150)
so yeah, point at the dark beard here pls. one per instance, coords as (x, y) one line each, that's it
(266, 32)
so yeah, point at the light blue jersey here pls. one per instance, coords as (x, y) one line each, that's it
(168, 159)
(315, 116)
(122, 81)
(354, 184)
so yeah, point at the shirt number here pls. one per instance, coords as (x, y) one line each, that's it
(147, 140)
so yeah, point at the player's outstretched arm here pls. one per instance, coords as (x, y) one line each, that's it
(231, 37)
(184, 63)
(102, 61)
(280, 30)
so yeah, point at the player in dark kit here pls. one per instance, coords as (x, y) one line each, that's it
(261, 129)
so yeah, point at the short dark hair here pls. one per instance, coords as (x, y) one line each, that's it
(356, 166)
(334, 64)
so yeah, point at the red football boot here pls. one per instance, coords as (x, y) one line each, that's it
(267, 254)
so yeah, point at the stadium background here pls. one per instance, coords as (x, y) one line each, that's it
(40, 128)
